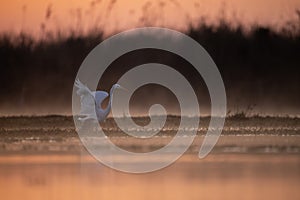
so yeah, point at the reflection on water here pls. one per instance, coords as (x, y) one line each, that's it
(219, 176)
(255, 158)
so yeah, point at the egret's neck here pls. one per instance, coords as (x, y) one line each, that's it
(108, 108)
(111, 95)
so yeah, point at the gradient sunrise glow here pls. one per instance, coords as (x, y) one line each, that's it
(36, 16)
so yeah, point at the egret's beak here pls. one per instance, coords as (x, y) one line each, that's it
(121, 87)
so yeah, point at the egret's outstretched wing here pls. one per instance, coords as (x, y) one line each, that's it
(82, 89)
(87, 100)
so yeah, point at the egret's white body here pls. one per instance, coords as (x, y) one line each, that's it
(91, 102)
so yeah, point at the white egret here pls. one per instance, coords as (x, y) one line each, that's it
(91, 102)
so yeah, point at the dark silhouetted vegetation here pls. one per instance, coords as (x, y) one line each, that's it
(260, 67)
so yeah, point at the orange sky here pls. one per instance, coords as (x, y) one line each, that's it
(28, 15)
